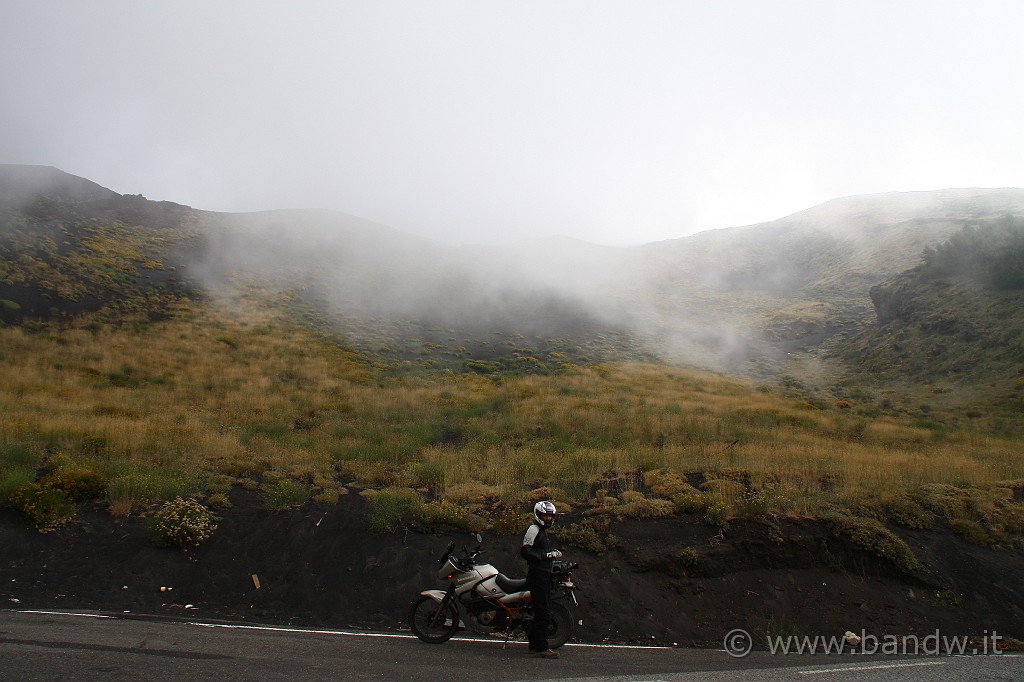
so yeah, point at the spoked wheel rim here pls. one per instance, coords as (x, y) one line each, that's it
(433, 622)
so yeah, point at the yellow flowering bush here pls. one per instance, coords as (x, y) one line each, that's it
(45, 506)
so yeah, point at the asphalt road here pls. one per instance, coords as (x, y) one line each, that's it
(52, 645)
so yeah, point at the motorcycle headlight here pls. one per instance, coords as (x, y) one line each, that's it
(448, 568)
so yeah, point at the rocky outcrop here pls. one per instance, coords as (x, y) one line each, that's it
(892, 301)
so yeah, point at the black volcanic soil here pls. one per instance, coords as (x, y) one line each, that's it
(321, 566)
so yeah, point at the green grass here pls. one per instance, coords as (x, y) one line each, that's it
(285, 494)
(300, 414)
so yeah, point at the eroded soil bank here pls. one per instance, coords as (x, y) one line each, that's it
(321, 566)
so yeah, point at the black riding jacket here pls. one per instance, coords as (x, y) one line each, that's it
(535, 548)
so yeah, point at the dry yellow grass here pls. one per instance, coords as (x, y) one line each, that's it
(210, 393)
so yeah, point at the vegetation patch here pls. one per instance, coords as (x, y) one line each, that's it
(198, 417)
(972, 532)
(46, 507)
(634, 504)
(872, 535)
(285, 494)
(945, 500)
(392, 508)
(907, 512)
(11, 479)
(182, 523)
(716, 511)
(590, 534)
(446, 515)
(79, 484)
(667, 483)
(506, 520)
(689, 558)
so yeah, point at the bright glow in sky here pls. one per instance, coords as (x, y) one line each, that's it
(475, 121)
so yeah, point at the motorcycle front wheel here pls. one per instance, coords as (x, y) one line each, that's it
(432, 622)
(559, 626)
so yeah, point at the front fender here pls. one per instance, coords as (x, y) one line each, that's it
(436, 595)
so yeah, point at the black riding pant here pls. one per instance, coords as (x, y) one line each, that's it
(538, 582)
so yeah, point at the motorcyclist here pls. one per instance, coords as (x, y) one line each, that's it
(540, 556)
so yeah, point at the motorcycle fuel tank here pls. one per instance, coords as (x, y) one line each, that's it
(490, 587)
(475, 575)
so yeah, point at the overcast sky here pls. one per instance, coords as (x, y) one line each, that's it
(614, 122)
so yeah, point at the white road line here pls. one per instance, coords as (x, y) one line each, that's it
(266, 628)
(346, 633)
(870, 667)
(65, 613)
(390, 635)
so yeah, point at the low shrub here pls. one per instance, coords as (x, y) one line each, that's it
(873, 536)
(130, 492)
(472, 493)
(725, 489)
(972, 532)
(328, 496)
(716, 511)
(285, 494)
(631, 497)
(242, 467)
(1007, 517)
(721, 497)
(79, 484)
(391, 508)
(510, 521)
(447, 514)
(755, 503)
(219, 501)
(667, 483)
(742, 476)
(689, 502)
(942, 499)
(182, 522)
(545, 493)
(603, 501)
(46, 507)
(585, 535)
(220, 483)
(428, 473)
(645, 509)
(689, 557)
(906, 512)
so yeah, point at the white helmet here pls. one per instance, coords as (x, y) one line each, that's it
(544, 513)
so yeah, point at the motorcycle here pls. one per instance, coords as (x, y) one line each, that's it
(489, 601)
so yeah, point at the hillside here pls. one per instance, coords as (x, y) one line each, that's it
(289, 369)
(763, 292)
(951, 330)
(761, 301)
(70, 247)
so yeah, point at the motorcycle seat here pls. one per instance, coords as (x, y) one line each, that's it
(510, 585)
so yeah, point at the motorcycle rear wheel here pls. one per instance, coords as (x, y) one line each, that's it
(432, 622)
(560, 625)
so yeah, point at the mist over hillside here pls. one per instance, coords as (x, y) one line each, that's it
(758, 300)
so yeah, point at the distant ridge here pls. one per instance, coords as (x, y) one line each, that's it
(22, 183)
(759, 300)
